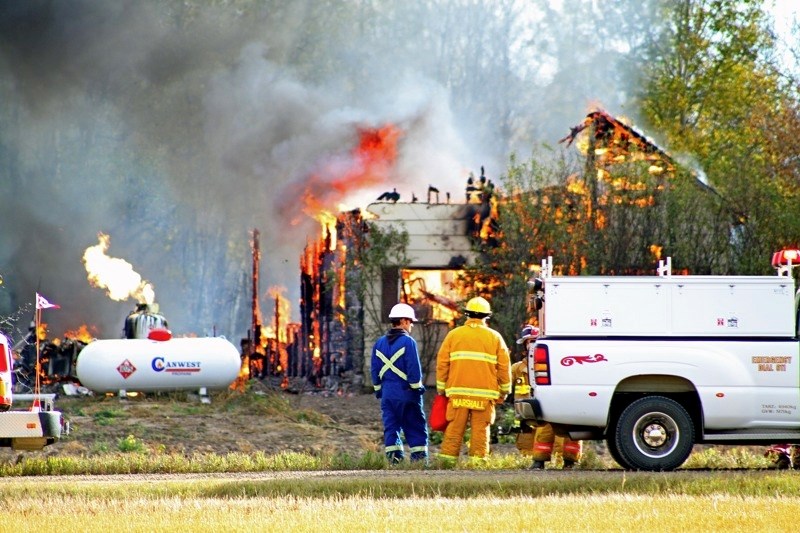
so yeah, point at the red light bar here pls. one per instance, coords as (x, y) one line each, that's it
(786, 258)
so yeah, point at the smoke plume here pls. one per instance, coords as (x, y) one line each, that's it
(176, 128)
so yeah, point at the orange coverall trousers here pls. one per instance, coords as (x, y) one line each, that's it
(479, 420)
(545, 440)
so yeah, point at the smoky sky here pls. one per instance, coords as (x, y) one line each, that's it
(178, 127)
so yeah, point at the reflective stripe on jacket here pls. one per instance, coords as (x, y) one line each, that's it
(396, 369)
(473, 362)
(519, 377)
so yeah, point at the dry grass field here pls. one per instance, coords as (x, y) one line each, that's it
(266, 460)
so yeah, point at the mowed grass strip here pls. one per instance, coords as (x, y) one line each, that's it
(133, 458)
(591, 512)
(403, 484)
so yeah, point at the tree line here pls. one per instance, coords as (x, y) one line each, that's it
(727, 108)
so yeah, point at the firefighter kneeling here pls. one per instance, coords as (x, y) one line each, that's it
(532, 441)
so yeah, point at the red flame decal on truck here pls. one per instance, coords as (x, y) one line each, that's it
(580, 359)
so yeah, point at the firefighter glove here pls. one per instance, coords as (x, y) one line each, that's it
(378, 394)
(421, 390)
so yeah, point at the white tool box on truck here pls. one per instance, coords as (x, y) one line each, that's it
(697, 306)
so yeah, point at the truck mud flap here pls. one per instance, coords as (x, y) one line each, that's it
(51, 423)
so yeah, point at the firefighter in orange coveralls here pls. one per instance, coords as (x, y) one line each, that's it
(472, 369)
(520, 387)
(538, 442)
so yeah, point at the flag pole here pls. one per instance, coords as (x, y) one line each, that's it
(36, 407)
(41, 303)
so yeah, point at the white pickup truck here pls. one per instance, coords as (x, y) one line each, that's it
(655, 364)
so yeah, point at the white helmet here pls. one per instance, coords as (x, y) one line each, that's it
(403, 311)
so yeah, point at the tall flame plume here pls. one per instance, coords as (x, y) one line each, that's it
(115, 275)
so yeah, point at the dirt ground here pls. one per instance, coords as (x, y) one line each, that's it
(264, 418)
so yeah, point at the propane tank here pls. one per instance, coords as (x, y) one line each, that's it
(152, 365)
(142, 320)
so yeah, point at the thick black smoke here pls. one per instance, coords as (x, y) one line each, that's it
(177, 127)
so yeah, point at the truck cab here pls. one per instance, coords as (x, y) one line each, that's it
(656, 364)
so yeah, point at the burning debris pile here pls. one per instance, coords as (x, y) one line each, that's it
(268, 351)
(57, 358)
(327, 343)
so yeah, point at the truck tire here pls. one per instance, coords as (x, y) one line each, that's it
(654, 433)
(611, 444)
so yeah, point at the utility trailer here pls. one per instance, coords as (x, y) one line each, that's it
(31, 429)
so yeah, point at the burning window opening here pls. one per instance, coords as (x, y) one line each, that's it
(434, 294)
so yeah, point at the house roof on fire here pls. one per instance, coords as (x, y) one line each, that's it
(621, 138)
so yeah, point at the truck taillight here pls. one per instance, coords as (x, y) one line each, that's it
(541, 365)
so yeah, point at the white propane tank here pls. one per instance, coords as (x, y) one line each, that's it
(146, 365)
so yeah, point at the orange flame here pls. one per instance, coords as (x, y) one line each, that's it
(115, 275)
(370, 163)
(81, 334)
(277, 327)
(328, 222)
(41, 331)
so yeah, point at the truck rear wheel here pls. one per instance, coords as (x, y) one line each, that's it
(611, 443)
(654, 433)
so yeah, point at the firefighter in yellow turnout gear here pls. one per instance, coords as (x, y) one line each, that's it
(472, 369)
(540, 442)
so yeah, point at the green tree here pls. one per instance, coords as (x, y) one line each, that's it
(377, 250)
(537, 218)
(708, 86)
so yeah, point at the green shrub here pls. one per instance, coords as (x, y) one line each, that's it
(130, 444)
(106, 417)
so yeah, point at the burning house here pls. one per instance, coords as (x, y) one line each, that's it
(353, 274)
(350, 276)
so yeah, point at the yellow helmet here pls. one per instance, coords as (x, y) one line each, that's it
(478, 305)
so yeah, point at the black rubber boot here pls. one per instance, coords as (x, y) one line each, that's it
(568, 464)
(537, 465)
(394, 458)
